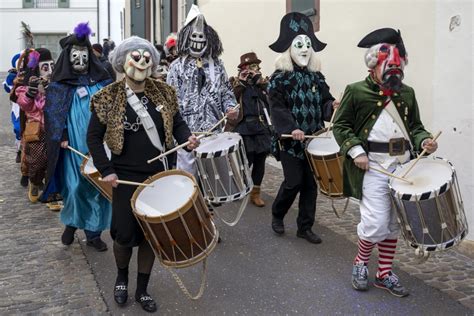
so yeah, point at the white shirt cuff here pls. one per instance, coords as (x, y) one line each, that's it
(356, 151)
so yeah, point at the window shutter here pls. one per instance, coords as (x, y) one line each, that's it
(63, 3)
(28, 4)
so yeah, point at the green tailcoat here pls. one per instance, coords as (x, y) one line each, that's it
(360, 108)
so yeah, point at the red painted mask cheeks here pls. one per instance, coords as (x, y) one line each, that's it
(390, 66)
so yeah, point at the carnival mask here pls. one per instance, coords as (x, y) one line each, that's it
(79, 58)
(138, 64)
(197, 39)
(390, 65)
(301, 50)
(46, 69)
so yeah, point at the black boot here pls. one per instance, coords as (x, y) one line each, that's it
(24, 181)
(121, 287)
(141, 295)
(68, 235)
(18, 156)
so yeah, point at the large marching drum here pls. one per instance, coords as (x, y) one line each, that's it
(90, 172)
(430, 211)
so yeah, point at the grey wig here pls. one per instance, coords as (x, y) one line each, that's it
(119, 54)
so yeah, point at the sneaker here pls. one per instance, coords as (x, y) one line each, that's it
(33, 192)
(24, 181)
(98, 244)
(18, 156)
(360, 274)
(392, 284)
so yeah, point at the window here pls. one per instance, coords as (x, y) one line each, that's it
(49, 41)
(138, 4)
(308, 7)
(45, 4)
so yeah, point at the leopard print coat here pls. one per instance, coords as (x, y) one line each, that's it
(110, 103)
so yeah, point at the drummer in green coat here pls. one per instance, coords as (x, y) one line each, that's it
(378, 126)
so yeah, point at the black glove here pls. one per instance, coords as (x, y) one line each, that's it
(33, 87)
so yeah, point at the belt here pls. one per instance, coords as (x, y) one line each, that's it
(395, 147)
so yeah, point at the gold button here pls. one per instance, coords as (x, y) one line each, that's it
(395, 94)
(379, 103)
(374, 116)
(348, 143)
(405, 118)
(366, 130)
(398, 104)
(380, 92)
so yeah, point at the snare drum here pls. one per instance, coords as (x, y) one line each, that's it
(326, 163)
(175, 218)
(90, 172)
(430, 211)
(223, 167)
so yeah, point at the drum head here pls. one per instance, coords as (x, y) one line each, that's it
(215, 144)
(167, 195)
(428, 175)
(89, 167)
(322, 145)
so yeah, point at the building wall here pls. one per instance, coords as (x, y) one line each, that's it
(40, 21)
(452, 90)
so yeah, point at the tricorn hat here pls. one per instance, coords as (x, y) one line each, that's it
(292, 25)
(384, 35)
(247, 59)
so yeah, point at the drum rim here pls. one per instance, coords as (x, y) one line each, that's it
(220, 153)
(174, 214)
(330, 156)
(427, 194)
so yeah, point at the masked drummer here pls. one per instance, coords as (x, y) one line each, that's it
(299, 102)
(377, 125)
(138, 118)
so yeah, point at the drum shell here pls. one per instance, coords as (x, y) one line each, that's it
(104, 188)
(432, 221)
(327, 171)
(181, 238)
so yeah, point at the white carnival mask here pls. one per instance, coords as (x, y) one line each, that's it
(79, 58)
(46, 69)
(197, 39)
(138, 64)
(301, 50)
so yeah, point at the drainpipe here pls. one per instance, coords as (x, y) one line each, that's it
(98, 23)
(108, 17)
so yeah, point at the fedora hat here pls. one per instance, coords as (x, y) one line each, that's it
(247, 59)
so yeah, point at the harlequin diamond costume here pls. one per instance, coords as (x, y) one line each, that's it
(299, 102)
(77, 76)
(31, 97)
(373, 113)
(199, 77)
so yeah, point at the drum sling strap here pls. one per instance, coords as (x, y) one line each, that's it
(146, 120)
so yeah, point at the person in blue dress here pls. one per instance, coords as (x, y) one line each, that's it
(77, 76)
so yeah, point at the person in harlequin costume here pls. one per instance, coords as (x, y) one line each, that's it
(201, 82)
(15, 113)
(253, 122)
(31, 97)
(300, 102)
(78, 74)
(374, 113)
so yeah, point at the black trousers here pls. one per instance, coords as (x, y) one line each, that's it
(258, 162)
(298, 179)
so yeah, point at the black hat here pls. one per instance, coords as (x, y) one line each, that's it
(385, 35)
(44, 54)
(292, 25)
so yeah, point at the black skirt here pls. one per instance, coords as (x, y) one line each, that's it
(257, 144)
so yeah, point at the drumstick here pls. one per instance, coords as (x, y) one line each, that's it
(174, 149)
(77, 152)
(131, 183)
(333, 115)
(305, 136)
(391, 175)
(421, 155)
(199, 137)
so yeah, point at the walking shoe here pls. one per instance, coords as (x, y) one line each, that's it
(18, 156)
(360, 272)
(309, 236)
(55, 206)
(120, 292)
(24, 181)
(33, 193)
(147, 303)
(278, 226)
(255, 197)
(392, 284)
(98, 244)
(68, 235)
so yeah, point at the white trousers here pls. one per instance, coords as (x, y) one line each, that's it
(378, 221)
(186, 162)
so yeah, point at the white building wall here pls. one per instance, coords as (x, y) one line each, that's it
(452, 89)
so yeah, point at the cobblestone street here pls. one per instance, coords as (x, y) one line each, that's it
(39, 274)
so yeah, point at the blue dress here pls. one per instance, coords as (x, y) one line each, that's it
(84, 206)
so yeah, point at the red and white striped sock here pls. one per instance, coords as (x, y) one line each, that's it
(387, 250)
(365, 249)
